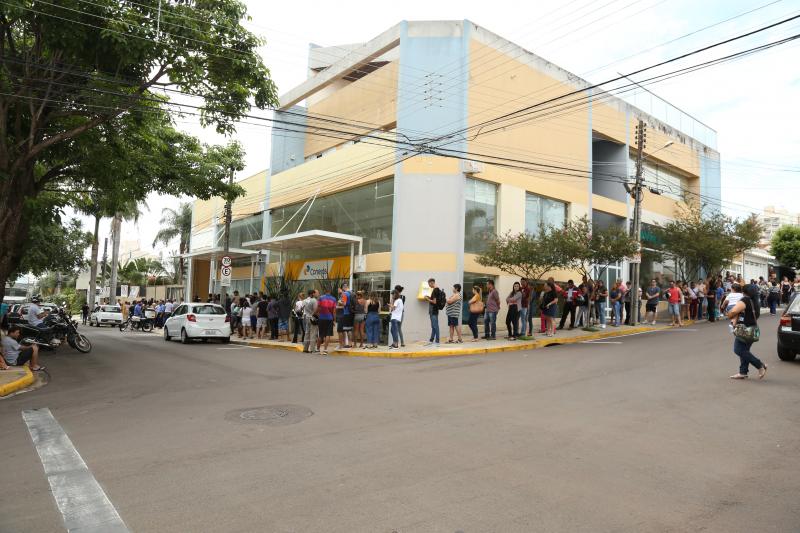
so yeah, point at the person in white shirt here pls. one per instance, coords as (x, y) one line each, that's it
(396, 317)
(35, 313)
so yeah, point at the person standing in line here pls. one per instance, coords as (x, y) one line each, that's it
(583, 306)
(616, 303)
(310, 321)
(453, 312)
(744, 316)
(435, 302)
(700, 289)
(626, 303)
(763, 291)
(773, 297)
(373, 320)
(786, 289)
(674, 302)
(399, 290)
(570, 297)
(601, 301)
(84, 313)
(344, 316)
(326, 311)
(623, 290)
(524, 306)
(711, 300)
(693, 301)
(284, 312)
(475, 310)
(490, 314)
(513, 301)
(550, 308)
(261, 318)
(359, 318)
(273, 317)
(651, 307)
(720, 293)
(297, 318)
(395, 317)
(559, 291)
(246, 313)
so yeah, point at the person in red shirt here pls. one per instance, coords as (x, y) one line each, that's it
(673, 294)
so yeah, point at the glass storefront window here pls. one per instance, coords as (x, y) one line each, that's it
(480, 215)
(541, 211)
(243, 230)
(365, 211)
(470, 280)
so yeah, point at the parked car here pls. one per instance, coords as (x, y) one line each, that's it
(789, 331)
(12, 311)
(19, 315)
(198, 321)
(106, 315)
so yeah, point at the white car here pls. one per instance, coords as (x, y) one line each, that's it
(198, 321)
(106, 315)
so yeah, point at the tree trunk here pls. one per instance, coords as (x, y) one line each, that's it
(91, 292)
(14, 190)
(116, 227)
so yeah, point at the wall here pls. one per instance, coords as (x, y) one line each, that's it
(288, 148)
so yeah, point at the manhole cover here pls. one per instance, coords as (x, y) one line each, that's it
(271, 415)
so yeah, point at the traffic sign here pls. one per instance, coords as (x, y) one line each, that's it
(226, 261)
(225, 276)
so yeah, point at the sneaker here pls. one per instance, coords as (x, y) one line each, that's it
(602, 326)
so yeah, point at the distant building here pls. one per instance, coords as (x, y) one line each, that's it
(753, 264)
(773, 218)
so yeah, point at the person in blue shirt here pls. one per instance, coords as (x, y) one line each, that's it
(344, 320)
(137, 309)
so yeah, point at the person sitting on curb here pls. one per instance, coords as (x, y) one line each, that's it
(16, 355)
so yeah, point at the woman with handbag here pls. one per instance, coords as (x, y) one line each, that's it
(475, 311)
(745, 331)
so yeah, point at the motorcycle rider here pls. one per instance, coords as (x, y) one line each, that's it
(36, 313)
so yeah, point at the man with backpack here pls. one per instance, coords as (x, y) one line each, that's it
(436, 302)
(344, 326)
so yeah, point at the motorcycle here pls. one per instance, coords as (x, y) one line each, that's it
(135, 322)
(56, 328)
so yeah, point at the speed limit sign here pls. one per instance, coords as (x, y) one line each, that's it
(226, 261)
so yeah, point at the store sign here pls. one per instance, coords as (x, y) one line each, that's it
(315, 269)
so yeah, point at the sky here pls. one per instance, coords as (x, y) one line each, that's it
(751, 102)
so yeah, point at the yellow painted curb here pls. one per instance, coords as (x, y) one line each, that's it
(19, 384)
(288, 346)
(519, 345)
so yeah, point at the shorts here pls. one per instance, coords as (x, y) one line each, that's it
(675, 309)
(359, 317)
(452, 321)
(325, 327)
(25, 355)
(253, 321)
(651, 308)
(262, 322)
(345, 323)
(551, 311)
(283, 324)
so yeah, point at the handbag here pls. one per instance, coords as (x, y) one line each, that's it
(748, 334)
(476, 307)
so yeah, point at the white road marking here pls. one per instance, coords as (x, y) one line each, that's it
(83, 504)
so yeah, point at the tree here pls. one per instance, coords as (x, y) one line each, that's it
(706, 241)
(786, 246)
(70, 67)
(176, 223)
(586, 246)
(525, 255)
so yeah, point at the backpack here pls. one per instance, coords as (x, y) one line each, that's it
(441, 300)
(351, 302)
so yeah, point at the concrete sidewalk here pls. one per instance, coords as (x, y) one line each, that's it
(468, 347)
(14, 379)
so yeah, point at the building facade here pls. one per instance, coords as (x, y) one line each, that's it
(397, 142)
(772, 218)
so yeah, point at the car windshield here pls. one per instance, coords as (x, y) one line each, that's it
(208, 310)
(111, 309)
(794, 306)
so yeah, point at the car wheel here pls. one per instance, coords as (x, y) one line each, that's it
(184, 337)
(785, 354)
(166, 334)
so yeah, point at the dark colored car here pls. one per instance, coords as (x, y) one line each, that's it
(789, 331)
(19, 313)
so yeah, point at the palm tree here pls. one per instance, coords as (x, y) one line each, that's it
(176, 223)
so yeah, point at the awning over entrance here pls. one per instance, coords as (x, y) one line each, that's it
(303, 240)
(217, 252)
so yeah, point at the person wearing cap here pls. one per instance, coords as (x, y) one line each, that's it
(35, 313)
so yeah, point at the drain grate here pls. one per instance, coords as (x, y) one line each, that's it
(270, 415)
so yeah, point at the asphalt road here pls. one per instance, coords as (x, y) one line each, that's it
(638, 433)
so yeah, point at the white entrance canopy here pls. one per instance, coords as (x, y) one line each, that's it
(217, 252)
(303, 240)
(213, 255)
(306, 240)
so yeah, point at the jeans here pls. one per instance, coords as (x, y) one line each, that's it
(395, 326)
(711, 309)
(373, 326)
(400, 330)
(693, 309)
(298, 328)
(773, 305)
(310, 332)
(583, 316)
(617, 313)
(512, 320)
(746, 357)
(473, 324)
(601, 312)
(523, 320)
(434, 327)
(490, 324)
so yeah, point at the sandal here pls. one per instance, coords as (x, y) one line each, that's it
(38, 369)
(762, 371)
(450, 342)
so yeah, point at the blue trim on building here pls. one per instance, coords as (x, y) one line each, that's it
(710, 182)
(288, 149)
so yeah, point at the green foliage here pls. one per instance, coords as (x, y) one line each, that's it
(525, 255)
(706, 240)
(73, 299)
(585, 246)
(786, 246)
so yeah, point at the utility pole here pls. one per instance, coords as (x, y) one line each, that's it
(223, 297)
(116, 227)
(641, 140)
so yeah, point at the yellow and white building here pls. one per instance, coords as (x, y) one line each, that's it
(351, 168)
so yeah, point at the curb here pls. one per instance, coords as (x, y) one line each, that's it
(21, 383)
(289, 347)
